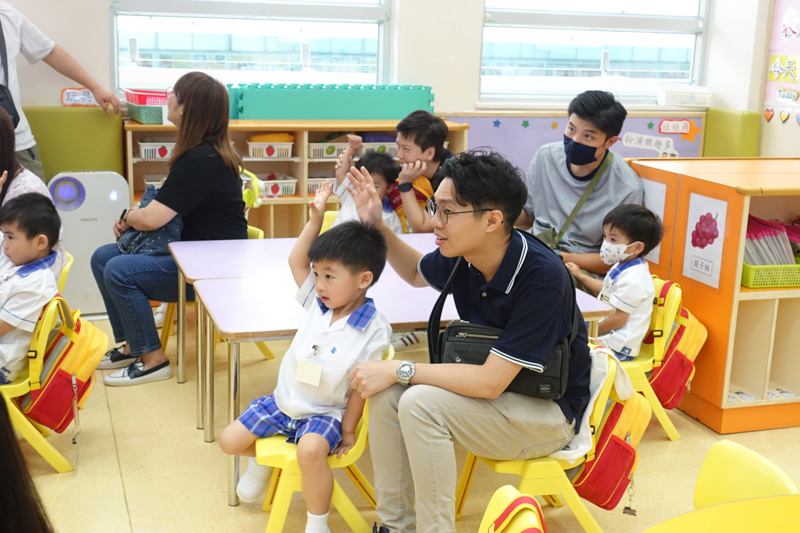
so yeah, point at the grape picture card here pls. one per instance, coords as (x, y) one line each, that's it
(705, 238)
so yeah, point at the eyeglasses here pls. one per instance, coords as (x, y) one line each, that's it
(432, 208)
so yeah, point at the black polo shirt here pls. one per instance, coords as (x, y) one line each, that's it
(532, 299)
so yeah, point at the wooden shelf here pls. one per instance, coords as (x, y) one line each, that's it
(746, 293)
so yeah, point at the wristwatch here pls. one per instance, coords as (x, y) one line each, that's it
(405, 187)
(405, 372)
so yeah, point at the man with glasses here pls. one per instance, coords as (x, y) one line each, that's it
(509, 280)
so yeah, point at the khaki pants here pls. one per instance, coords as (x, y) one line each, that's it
(412, 431)
(29, 158)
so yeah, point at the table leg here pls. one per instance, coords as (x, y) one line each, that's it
(200, 317)
(181, 327)
(209, 379)
(233, 413)
(594, 327)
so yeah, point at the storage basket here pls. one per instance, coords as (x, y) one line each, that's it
(381, 148)
(152, 98)
(316, 183)
(755, 277)
(281, 187)
(156, 149)
(260, 150)
(145, 114)
(326, 150)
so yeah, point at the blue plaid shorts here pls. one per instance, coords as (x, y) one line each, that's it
(263, 419)
(623, 357)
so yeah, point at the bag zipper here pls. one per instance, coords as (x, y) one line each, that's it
(465, 335)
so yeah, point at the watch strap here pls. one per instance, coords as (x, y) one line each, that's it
(405, 187)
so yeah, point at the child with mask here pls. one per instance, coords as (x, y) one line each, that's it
(560, 173)
(629, 233)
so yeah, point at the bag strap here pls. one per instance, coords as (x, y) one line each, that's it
(41, 335)
(520, 503)
(3, 54)
(436, 315)
(601, 170)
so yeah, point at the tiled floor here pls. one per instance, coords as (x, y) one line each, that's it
(141, 466)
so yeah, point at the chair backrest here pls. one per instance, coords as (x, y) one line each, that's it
(62, 278)
(327, 222)
(666, 306)
(254, 232)
(733, 472)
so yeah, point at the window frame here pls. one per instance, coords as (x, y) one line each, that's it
(580, 21)
(298, 10)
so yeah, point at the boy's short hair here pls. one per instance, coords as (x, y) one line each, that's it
(486, 180)
(601, 109)
(354, 244)
(382, 164)
(637, 223)
(425, 130)
(34, 214)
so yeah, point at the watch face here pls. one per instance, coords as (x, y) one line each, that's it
(405, 371)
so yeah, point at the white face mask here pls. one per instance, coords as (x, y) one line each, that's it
(611, 254)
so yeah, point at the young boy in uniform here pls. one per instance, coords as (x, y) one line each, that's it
(630, 231)
(30, 226)
(312, 404)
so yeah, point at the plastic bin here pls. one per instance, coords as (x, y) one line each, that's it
(316, 183)
(326, 150)
(151, 98)
(756, 277)
(266, 150)
(156, 148)
(274, 184)
(145, 114)
(381, 148)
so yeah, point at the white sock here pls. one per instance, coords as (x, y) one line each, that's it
(317, 523)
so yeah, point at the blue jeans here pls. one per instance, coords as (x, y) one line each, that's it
(127, 283)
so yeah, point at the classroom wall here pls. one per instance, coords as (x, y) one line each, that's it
(436, 43)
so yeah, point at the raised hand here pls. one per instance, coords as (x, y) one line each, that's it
(354, 141)
(411, 171)
(362, 189)
(316, 206)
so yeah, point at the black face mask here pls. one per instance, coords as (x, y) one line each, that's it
(577, 153)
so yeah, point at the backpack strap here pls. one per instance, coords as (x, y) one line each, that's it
(41, 336)
(601, 170)
(521, 503)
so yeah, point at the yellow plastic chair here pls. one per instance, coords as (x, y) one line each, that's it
(651, 355)
(327, 222)
(30, 431)
(733, 472)
(287, 479)
(545, 476)
(510, 511)
(169, 315)
(62, 278)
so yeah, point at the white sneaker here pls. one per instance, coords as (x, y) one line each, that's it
(160, 314)
(134, 375)
(406, 340)
(252, 486)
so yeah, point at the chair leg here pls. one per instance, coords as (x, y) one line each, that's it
(553, 500)
(287, 485)
(273, 485)
(464, 482)
(265, 351)
(641, 384)
(348, 510)
(166, 329)
(362, 484)
(37, 440)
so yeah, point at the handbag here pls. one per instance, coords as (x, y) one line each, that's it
(464, 342)
(6, 100)
(155, 242)
(550, 236)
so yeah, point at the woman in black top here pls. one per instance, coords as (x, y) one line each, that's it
(204, 188)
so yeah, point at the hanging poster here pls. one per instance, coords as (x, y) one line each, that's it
(705, 238)
(655, 196)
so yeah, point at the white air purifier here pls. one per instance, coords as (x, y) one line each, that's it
(88, 203)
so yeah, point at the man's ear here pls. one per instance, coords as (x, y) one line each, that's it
(428, 153)
(611, 141)
(366, 279)
(41, 242)
(494, 220)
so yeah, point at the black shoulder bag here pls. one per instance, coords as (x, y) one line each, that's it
(6, 100)
(463, 342)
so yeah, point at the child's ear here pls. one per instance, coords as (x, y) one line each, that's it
(637, 249)
(41, 242)
(366, 279)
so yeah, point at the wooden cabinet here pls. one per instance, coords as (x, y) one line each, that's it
(283, 216)
(748, 372)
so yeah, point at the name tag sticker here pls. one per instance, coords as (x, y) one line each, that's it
(308, 373)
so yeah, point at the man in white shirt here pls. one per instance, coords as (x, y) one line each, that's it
(21, 36)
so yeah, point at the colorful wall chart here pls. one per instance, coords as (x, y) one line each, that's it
(782, 92)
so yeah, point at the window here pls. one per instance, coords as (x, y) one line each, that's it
(534, 51)
(326, 41)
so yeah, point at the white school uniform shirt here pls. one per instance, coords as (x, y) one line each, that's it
(339, 347)
(629, 288)
(24, 291)
(347, 211)
(21, 36)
